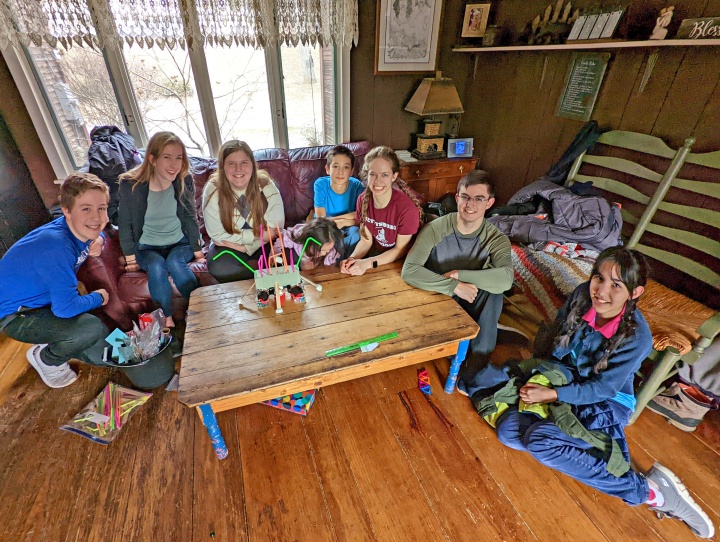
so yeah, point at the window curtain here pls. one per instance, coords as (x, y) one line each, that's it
(64, 22)
(262, 23)
(316, 22)
(150, 23)
(172, 23)
(249, 23)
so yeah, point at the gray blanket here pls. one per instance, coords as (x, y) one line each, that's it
(588, 220)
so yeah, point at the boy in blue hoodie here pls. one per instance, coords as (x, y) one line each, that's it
(39, 298)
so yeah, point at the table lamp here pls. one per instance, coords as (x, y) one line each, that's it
(435, 96)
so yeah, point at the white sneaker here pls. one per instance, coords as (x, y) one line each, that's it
(54, 376)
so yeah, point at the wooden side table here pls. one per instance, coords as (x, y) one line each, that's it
(435, 178)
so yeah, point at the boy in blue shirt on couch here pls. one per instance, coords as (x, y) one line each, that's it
(336, 195)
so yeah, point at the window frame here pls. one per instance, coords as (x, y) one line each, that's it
(53, 140)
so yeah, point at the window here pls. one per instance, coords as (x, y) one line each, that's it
(81, 93)
(302, 82)
(160, 66)
(240, 93)
(164, 90)
(78, 92)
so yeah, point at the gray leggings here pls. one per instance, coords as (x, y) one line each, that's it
(80, 337)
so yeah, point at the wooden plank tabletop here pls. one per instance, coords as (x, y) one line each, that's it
(234, 356)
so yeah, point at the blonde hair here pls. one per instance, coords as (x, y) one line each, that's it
(144, 172)
(76, 184)
(253, 193)
(386, 153)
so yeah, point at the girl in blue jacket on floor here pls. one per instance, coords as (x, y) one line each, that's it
(601, 341)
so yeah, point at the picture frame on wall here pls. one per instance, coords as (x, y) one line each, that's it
(475, 21)
(406, 39)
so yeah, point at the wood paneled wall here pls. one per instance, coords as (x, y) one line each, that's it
(13, 109)
(510, 102)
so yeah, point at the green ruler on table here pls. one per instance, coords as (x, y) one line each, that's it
(355, 346)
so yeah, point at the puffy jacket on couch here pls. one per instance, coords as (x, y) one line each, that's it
(294, 171)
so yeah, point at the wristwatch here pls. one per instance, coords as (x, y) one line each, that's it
(374, 264)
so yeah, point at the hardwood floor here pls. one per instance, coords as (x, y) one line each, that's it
(375, 459)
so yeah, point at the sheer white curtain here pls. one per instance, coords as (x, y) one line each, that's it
(316, 22)
(249, 23)
(171, 23)
(150, 23)
(261, 23)
(64, 22)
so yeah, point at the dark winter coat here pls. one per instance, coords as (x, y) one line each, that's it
(587, 220)
(111, 153)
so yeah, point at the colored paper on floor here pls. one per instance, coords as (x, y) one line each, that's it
(298, 403)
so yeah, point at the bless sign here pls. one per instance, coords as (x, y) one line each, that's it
(699, 29)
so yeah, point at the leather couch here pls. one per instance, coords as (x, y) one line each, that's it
(294, 171)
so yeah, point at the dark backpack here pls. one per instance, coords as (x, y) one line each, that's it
(111, 153)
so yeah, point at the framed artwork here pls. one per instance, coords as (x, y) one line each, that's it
(475, 21)
(406, 40)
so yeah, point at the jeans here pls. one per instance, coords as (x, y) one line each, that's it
(485, 310)
(550, 446)
(158, 262)
(351, 237)
(81, 337)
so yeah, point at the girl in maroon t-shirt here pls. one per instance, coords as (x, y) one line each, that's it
(388, 215)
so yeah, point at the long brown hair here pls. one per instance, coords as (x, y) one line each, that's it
(227, 199)
(633, 273)
(144, 172)
(386, 153)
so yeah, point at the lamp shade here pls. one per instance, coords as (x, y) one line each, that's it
(435, 96)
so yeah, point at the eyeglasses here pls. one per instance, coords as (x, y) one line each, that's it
(467, 199)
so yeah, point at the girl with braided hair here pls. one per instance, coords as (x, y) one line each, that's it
(388, 213)
(601, 341)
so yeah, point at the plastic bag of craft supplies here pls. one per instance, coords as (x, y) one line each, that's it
(103, 418)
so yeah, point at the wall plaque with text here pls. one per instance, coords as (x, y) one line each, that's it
(705, 28)
(582, 85)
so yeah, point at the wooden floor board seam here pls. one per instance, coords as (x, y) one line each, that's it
(318, 477)
(418, 478)
(346, 460)
(498, 482)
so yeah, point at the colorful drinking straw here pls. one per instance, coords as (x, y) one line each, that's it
(262, 245)
(282, 247)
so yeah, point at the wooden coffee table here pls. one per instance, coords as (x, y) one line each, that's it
(238, 356)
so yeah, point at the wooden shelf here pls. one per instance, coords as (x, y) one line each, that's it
(583, 45)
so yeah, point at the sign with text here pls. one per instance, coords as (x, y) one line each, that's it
(705, 28)
(582, 85)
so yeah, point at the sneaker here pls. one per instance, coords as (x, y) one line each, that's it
(511, 335)
(678, 502)
(681, 409)
(55, 376)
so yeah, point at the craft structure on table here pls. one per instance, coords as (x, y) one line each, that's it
(274, 281)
